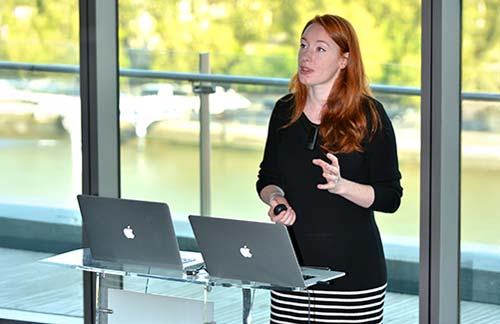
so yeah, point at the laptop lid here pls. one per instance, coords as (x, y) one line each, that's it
(131, 231)
(252, 251)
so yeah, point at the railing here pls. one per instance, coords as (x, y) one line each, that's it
(222, 78)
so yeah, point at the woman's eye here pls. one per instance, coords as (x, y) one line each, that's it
(302, 45)
(321, 49)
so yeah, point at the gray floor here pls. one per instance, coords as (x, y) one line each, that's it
(31, 290)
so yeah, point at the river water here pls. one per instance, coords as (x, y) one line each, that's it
(40, 172)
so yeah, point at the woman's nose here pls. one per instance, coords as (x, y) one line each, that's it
(306, 56)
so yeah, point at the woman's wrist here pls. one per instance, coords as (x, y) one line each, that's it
(278, 192)
(361, 194)
(340, 187)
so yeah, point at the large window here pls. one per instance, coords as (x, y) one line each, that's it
(160, 117)
(40, 158)
(480, 243)
(162, 149)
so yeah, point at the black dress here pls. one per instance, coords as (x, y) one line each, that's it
(329, 230)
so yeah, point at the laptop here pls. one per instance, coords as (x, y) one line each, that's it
(253, 252)
(133, 232)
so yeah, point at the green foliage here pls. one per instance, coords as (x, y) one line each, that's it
(481, 46)
(39, 31)
(251, 37)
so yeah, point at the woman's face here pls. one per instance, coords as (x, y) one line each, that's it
(320, 60)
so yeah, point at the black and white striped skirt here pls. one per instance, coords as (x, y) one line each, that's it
(328, 306)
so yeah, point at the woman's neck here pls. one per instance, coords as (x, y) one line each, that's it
(315, 102)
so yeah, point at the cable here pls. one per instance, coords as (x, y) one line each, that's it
(252, 299)
(147, 285)
(147, 281)
(206, 290)
(205, 301)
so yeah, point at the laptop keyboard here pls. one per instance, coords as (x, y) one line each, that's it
(186, 260)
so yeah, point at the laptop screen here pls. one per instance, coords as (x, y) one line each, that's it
(247, 251)
(129, 231)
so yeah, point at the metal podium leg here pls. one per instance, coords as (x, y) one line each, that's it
(104, 282)
(247, 305)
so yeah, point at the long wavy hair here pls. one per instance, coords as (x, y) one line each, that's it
(345, 123)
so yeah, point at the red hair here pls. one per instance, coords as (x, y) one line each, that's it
(344, 122)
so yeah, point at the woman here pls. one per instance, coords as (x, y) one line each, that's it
(331, 159)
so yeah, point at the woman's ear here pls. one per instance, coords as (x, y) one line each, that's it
(345, 60)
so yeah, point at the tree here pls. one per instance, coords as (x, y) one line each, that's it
(251, 37)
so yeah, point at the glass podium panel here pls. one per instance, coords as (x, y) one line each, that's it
(82, 259)
(171, 296)
(141, 300)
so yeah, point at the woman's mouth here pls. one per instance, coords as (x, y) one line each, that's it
(305, 70)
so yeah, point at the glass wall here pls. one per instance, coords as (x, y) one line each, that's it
(160, 122)
(40, 145)
(40, 158)
(480, 243)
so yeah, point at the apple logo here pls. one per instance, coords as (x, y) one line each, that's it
(129, 232)
(245, 251)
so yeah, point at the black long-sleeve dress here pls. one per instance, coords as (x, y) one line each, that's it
(329, 230)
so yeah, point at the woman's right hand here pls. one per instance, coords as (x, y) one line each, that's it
(286, 217)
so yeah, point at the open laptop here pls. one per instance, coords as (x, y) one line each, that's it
(253, 251)
(133, 232)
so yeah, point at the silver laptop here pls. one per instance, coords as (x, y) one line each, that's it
(133, 232)
(253, 251)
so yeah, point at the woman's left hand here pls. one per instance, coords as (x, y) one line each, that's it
(331, 173)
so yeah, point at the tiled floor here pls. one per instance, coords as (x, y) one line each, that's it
(55, 294)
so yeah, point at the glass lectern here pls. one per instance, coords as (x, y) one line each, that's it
(129, 293)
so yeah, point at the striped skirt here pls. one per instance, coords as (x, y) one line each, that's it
(328, 306)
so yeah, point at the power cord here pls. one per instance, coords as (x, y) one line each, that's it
(206, 290)
(253, 298)
(147, 285)
(147, 281)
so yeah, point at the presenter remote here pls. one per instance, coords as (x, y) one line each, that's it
(279, 208)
